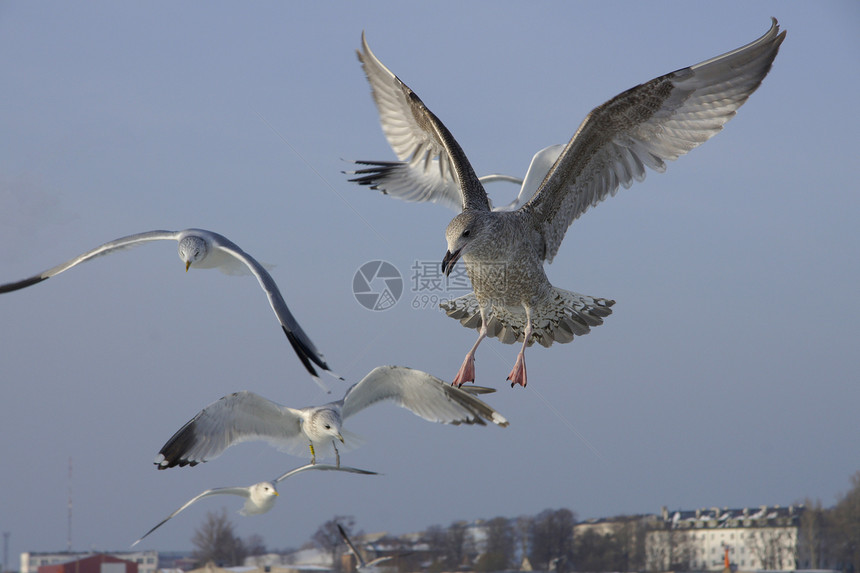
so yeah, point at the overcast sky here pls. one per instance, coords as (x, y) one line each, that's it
(726, 376)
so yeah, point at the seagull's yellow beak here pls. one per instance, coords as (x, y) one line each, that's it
(339, 437)
(187, 264)
(276, 493)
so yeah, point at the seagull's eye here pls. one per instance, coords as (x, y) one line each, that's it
(467, 232)
(328, 426)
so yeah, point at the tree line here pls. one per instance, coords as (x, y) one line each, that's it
(828, 538)
(832, 535)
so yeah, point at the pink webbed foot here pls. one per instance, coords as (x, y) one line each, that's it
(466, 372)
(518, 374)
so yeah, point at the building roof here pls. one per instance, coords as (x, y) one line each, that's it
(739, 517)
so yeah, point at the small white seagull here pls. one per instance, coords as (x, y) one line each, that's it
(259, 498)
(504, 250)
(245, 416)
(202, 249)
(360, 563)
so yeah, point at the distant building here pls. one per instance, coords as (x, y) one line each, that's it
(31, 562)
(759, 538)
(98, 563)
(611, 525)
(176, 561)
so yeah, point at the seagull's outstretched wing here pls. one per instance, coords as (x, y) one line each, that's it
(238, 417)
(105, 249)
(359, 559)
(223, 254)
(425, 181)
(423, 394)
(361, 564)
(417, 136)
(240, 491)
(375, 562)
(421, 182)
(323, 467)
(301, 343)
(645, 126)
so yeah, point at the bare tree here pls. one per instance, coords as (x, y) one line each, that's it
(328, 538)
(522, 535)
(435, 537)
(812, 535)
(455, 545)
(668, 549)
(774, 547)
(596, 552)
(215, 541)
(552, 539)
(500, 548)
(846, 525)
(631, 543)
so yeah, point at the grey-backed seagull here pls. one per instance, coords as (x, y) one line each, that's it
(259, 498)
(245, 416)
(202, 249)
(504, 251)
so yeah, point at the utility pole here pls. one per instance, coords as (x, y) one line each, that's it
(69, 538)
(5, 551)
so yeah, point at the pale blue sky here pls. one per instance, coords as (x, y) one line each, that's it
(726, 376)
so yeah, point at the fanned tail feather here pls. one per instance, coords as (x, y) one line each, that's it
(560, 318)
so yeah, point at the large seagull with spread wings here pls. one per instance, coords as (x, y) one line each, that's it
(504, 250)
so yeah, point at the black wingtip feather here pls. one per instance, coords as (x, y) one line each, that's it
(371, 176)
(9, 287)
(173, 452)
(304, 354)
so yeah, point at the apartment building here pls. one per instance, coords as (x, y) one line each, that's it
(697, 540)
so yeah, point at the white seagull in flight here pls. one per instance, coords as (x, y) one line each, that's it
(259, 498)
(201, 249)
(245, 416)
(360, 563)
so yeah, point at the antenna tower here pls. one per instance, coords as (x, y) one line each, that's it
(69, 532)
(5, 551)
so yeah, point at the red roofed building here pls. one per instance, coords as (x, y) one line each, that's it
(98, 563)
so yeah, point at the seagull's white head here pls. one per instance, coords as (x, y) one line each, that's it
(323, 425)
(192, 249)
(261, 498)
(461, 234)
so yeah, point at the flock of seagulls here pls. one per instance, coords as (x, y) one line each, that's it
(503, 250)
